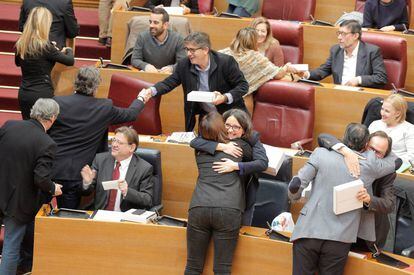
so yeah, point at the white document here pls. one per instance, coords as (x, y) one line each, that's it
(110, 184)
(300, 67)
(345, 197)
(276, 157)
(108, 216)
(200, 96)
(181, 137)
(348, 88)
(132, 216)
(174, 10)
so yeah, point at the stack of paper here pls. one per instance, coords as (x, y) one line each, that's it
(181, 137)
(141, 216)
(200, 96)
(345, 197)
(174, 10)
(300, 67)
(276, 157)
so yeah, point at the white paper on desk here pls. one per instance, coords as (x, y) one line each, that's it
(347, 88)
(345, 197)
(174, 10)
(108, 216)
(130, 216)
(110, 184)
(276, 157)
(300, 67)
(200, 96)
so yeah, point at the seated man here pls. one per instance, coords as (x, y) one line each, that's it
(159, 48)
(352, 62)
(204, 70)
(134, 175)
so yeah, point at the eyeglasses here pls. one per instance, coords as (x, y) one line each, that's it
(233, 127)
(192, 50)
(114, 140)
(377, 153)
(339, 33)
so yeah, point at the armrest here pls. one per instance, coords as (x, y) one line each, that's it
(408, 252)
(157, 208)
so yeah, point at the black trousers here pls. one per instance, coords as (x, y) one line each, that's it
(204, 223)
(28, 99)
(322, 256)
(71, 194)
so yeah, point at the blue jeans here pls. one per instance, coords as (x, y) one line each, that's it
(240, 11)
(13, 236)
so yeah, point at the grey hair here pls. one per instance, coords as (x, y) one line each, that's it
(87, 80)
(44, 109)
(201, 39)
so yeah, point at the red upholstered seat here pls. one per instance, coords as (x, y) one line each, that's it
(123, 90)
(6, 115)
(290, 37)
(394, 52)
(284, 113)
(205, 6)
(299, 10)
(360, 5)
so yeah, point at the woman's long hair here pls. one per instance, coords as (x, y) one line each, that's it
(269, 37)
(246, 39)
(35, 36)
(212, 127)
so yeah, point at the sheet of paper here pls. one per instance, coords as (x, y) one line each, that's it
(300, 67)
(348, 88)
(200, 96)
(108, 216)
(111, 184)
(174, 10)
(276, 157)
(345, 197)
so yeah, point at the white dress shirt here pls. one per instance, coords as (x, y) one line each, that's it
(350, 63)
(122, 174)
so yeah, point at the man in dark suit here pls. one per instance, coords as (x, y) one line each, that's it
(64, 23)
(383, 199)
(25, 169)
(134, 175)
(204, 70)
(352, 62)
(80, 131)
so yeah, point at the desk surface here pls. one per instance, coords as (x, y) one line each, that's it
(92, 247)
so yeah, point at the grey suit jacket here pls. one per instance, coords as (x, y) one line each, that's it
(327, 169)
(139, 179)
(370, 66)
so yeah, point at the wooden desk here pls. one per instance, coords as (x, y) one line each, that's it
(68, 246)
(221, 30)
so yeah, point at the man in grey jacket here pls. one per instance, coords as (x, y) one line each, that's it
(159, 48)
(321, 239)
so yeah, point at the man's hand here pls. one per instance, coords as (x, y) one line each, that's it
(352, 82)
(166, 69)
(351, 161)
(225, 166)
(219, 98)
(231, 149)
(58, 190)
(64, 49)
(363, 196)
(88, 174)
(123, 187)
(159, 6)
(186, 10)
(150, 68)
(388, 28)
(145, 94)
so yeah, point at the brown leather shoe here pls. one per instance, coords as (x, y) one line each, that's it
(108, 43)
(102, 40)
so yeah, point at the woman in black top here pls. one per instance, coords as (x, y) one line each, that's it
(217, 203)
(36, 56)
(386, 15)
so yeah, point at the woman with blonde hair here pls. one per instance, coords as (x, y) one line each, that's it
(392, 122)
(266, 43)
(36, 56)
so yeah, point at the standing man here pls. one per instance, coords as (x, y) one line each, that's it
(80, 131)
(159, 48)
(134, 175)
(352, 62)
(204, 70)
(26, 168)
(321, 239)
(64, 23)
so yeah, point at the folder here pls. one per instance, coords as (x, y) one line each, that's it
(345, 197)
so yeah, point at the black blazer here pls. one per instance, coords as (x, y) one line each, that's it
(224, 76)
(370, 66)
(26, 153)
(64, 23)
(192, 4)
(80, 130)
(138, 177)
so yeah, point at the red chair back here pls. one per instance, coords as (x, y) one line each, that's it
(290, 37)
(297, 10)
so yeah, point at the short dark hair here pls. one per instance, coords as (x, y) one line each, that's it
(165, 15)
(201, 39)
(353, 26)
(243, 118)
(130, 134)
(356, 136)
(382, 134)
(211, 127)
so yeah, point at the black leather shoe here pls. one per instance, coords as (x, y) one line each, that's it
(102, 40)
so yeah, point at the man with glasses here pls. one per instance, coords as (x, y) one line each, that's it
(204, 70)
(133, 175)
(352, 62)
(159, 48)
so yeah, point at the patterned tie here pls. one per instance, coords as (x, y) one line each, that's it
(112, 194)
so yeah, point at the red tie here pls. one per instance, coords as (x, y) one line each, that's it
(112, 194)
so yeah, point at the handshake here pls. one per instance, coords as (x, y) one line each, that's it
(145, 95)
